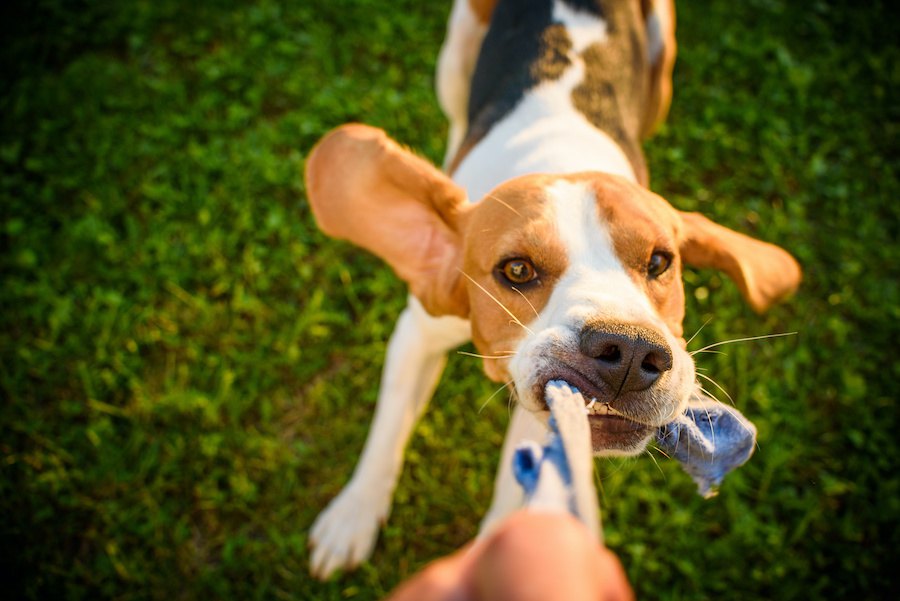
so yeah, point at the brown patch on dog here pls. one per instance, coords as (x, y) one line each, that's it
(622, 93)
(511, 222)
(612, 95)
(641, 223)
(763, 272)
(365, 188)
(553, 58)
(483, 9)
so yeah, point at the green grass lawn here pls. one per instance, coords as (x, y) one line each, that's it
(189, 367)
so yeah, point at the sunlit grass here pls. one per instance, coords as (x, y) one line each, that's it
(189, 367)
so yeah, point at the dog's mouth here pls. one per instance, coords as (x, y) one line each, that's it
(612, 432)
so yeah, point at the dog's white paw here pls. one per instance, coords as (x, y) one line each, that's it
(344, 534)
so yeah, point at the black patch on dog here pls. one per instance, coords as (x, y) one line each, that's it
(522, 46)
(586, 6)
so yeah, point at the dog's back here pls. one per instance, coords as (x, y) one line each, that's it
(559, 86)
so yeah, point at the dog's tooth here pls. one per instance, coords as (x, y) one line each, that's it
(589, 408)
(612, 411)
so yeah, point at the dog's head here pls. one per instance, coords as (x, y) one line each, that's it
(563, 277)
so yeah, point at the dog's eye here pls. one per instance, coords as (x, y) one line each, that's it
(518, 271)
(659, 263)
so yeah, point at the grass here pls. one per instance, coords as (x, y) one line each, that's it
(188, 366)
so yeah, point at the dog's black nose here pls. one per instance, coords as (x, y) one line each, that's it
(629, 358)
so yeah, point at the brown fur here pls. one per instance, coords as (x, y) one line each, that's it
(510, 222)
(640, 222)
(365, 188)
(613, 93)
(763, 272)
(483, 9)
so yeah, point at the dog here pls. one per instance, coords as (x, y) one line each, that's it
(543, 246)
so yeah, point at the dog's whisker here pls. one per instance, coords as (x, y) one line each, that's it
(504, 203)
(527, 301)
(655, 462)
(619, 467)
(711, 395)
(496, 392)
(661, 452)
(712, 430)
(505, 355)
(510, 401)
(692, 353)
(501, 305)
(747, 339)
(717, 385)
(598, 482)
(706, 323)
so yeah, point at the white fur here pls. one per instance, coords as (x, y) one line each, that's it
(584, 29)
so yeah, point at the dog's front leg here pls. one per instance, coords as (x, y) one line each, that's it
(508, 496)
(345, 532)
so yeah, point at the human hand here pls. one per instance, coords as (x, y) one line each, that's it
(530, 557)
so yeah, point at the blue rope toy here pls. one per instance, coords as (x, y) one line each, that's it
(709, 440)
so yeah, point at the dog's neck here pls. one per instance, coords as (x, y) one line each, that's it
(556, 89)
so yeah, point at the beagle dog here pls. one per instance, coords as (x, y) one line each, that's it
(544, 247)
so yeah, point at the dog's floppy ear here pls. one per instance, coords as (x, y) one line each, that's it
(363, 187)
(764, 272)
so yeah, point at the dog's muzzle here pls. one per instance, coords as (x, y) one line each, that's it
(619, 368)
